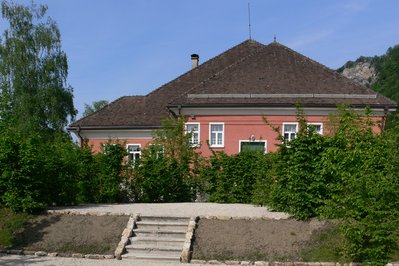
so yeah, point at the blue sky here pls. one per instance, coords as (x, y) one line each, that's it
(131, 47)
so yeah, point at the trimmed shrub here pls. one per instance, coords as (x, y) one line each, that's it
(167, 170)
(298, 186)
(231, 179)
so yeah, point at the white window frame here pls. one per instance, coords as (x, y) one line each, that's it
(318, 124)
(104, 146)
(216, 145)
(191, 141)
(296, 131)
(245, 140)
(134, 152)
(161, 151)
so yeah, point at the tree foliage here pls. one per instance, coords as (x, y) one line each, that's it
(350, 175)
(95, 106)
(168, 169)
(33, 71)
(365, 198)
(388, 74)
(299, 188)
(231, 179)
(39, 163)
(109, 173)
(35, 173)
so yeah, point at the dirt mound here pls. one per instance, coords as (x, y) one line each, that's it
(260, 239)
(64, 233)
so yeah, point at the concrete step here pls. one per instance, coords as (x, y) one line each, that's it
(144, 256)
(170, 219)
(160, 233)
(147, 247)
(155, 251)
(157, 238)
(157, 242)
(156, 254)
(159, 225)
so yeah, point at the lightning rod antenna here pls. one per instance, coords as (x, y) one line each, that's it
(249, 21)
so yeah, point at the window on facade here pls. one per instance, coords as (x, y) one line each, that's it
(290, 131)
(106, 147)
(133, 153)
(157, 150)
(216, 134)
(246, 145)
(194, 130)
(317, 127)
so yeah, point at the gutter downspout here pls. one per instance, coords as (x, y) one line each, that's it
(179, 109)
(384, 118)
(80, 137)
(174, 114)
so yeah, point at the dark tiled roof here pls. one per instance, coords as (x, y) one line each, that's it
(123, 112)
(247, 74)
(277, 70)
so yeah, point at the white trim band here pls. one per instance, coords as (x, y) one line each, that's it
(282, 95)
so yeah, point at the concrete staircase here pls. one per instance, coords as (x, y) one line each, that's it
(157, 238)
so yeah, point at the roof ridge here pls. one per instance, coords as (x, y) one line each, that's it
(242, 59)
(204, 64)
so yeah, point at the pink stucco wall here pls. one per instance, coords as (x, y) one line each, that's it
(236, 128)
(96, 143)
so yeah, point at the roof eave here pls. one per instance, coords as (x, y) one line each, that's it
(277, 105)
(80, 128)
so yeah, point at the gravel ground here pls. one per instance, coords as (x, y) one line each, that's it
(169, 209)
(16, 260)
(180, 209)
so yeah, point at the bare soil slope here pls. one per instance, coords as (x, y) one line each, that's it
(64, 233)
(258, 239)
(239, 239)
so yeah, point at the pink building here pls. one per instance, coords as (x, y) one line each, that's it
(226, 98)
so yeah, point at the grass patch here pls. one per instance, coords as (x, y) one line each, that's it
(325, 245)
(10, 223)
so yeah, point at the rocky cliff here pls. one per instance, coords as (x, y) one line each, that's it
(364, 73)
(381, 73)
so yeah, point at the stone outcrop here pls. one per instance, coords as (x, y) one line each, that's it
(363, 73)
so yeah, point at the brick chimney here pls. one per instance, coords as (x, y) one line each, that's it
(194, 61)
